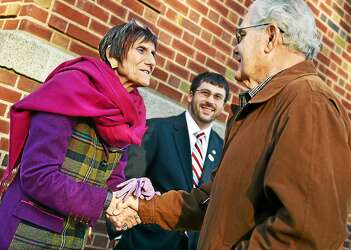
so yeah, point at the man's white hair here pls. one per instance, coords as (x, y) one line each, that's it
(296, 20)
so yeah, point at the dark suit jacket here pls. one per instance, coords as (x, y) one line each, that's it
(165, 158)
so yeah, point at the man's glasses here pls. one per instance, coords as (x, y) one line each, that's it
(240, 32)
(205, 93)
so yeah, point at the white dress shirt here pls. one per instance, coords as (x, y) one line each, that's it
(193, 129)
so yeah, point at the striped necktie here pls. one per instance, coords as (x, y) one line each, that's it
(197, 158)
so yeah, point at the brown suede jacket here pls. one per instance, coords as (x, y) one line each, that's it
(284, 179)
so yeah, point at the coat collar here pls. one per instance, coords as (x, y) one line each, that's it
(281, 80)
(180, 122)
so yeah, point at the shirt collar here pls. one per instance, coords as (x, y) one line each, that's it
(246, 96)
(193, 128)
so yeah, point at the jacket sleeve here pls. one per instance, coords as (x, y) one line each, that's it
(308, 174)
(43, 155)
(177, 210)
(117, 175)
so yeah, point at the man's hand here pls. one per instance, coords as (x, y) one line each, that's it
(123, 215)
(126, 219)
(131, 202)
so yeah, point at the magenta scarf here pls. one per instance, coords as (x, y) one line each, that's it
(83, 87)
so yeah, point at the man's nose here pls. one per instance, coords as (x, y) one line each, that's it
(211, 99)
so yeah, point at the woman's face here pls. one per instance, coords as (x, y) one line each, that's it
(138, 65)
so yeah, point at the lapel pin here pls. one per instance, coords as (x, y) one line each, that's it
(210, 157)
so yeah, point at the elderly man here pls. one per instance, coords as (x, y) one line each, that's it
(283, 182)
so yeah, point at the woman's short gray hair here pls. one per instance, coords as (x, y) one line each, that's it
(296, 20)
(120, 38)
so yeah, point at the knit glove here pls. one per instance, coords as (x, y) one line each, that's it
(138, 187)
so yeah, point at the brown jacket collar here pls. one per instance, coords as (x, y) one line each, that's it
(282, 79)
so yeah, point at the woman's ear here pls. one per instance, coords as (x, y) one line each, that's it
(113, 61)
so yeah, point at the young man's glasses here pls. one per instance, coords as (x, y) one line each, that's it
(205, 93)
(240, 32)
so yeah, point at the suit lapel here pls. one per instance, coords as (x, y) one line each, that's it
(211, 158)
(181, 138)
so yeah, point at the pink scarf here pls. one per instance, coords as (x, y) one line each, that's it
(83, 87)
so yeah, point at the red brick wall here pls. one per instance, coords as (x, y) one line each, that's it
(194, 36)
(13, 87)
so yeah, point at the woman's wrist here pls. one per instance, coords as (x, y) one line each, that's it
(108, 200)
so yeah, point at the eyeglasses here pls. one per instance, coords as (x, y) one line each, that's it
(240, 33)
(205, 93)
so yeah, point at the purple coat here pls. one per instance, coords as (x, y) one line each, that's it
(40, 179)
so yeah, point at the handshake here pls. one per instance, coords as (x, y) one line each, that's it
(124, 206)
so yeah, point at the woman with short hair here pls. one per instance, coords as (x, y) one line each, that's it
(68, 142)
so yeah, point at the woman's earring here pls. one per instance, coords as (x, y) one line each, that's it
(114, 64)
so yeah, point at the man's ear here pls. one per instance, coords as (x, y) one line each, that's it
(113, 61)
(190, 97)
(272, 32)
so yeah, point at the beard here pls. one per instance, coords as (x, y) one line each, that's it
(196, 111)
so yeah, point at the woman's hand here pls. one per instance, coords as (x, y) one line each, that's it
(123, 215)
